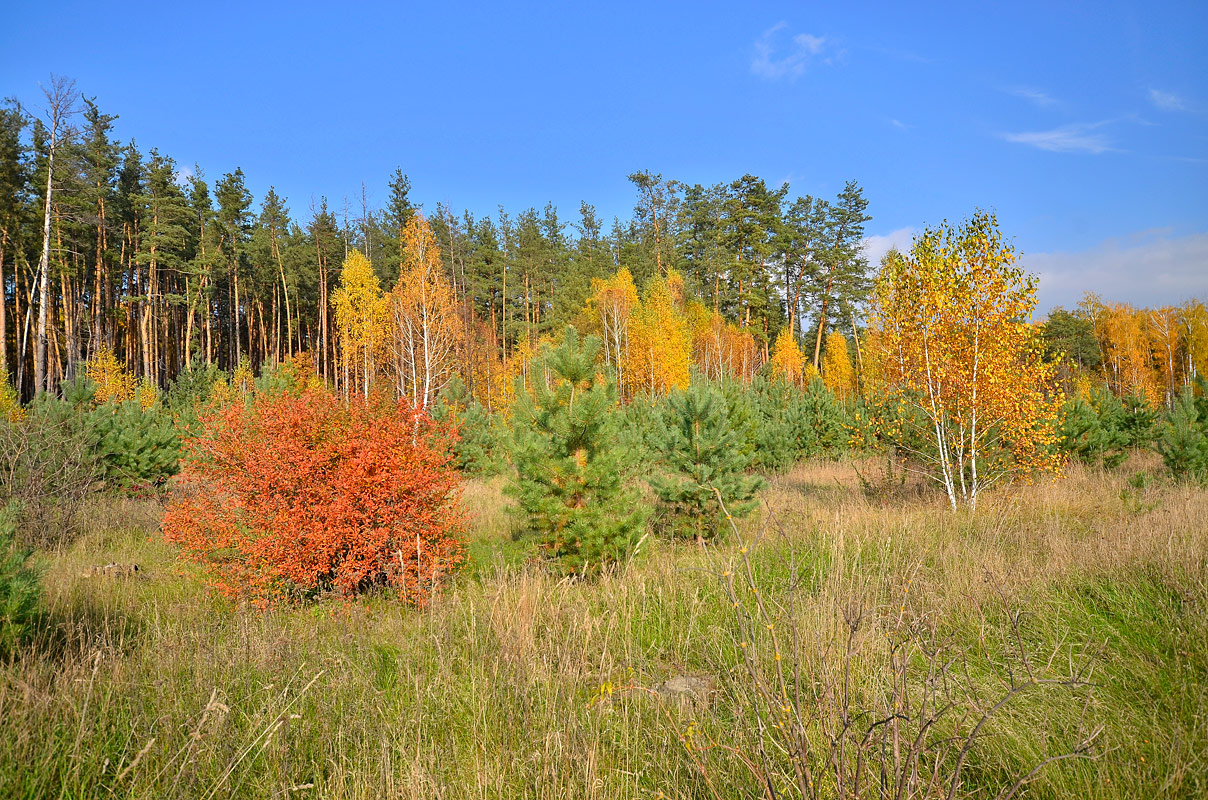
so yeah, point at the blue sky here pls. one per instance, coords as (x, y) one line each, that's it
(1084, 125)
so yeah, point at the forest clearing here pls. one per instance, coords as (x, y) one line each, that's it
(519, 683)
(683, 401)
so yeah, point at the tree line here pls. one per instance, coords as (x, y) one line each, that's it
(106, 247)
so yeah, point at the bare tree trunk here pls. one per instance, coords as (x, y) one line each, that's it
(830, 282)
(3, 306)
(62, 97)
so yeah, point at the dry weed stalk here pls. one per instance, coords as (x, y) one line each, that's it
(881, 706)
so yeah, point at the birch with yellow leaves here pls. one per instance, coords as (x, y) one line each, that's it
(953, 339)
(426, 326)
(360, 323)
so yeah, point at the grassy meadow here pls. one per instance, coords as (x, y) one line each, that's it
(1089, 595)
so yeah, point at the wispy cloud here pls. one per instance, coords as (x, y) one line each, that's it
(1078, 137)
(1148, 268)
(1167, 101)
(184, 175)
(902, 126)
(1035, 96)
(774, 59)
(876, 246)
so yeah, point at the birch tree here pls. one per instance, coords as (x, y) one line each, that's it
(953, 339)
(360, 322)
(61, 105)
(426, 325)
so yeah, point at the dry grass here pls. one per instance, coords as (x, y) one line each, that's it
(509, 686)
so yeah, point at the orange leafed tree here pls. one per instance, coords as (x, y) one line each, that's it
(952, 338)
(1124, 339)
(292, 495)
(427, 325)
(1164, 341)
(721, 348)
(706, 329)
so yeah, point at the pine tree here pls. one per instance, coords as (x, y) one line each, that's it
(479, 449)
(135, 446)
(1093, 429)
(572, 483)
(701, 456)
(1183, 442)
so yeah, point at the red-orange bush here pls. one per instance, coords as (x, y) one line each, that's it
(292, 495)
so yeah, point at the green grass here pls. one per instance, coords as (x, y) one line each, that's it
(515, 683)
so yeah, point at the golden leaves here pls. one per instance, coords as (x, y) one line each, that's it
(951, 330)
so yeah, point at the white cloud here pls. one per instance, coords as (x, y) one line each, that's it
(1167, 101)
(875, 247)
(1033, 95)
(771, 61)
(1079, 137)
(183, 175)
(1148, 268)
(902, 126)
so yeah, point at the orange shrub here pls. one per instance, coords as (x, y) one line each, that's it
(292, 495)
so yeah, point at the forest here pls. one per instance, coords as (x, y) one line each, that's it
(696, 503)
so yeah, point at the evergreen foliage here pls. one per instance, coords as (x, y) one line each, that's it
(479, 449)
(1093, 430)
(20, 587)
(135, 447)
(1140, 421)
(701, 456)
(572, 486)
(790, 424)
(1183, 438)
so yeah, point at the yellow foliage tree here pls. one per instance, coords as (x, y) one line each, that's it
(361, 311)
(953, 340)
(239, 385)
(787, 360)
(660, 344)
(1163, 327)
(110, 377)
(721, 348)
(837, 372)
(610, 305)
(426, 328)
(706, 329)
(147, 394)
(10, 403)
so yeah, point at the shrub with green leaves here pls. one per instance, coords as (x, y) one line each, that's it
(20, 587)
(573, 483)
(700, 454)
(1183, 437)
